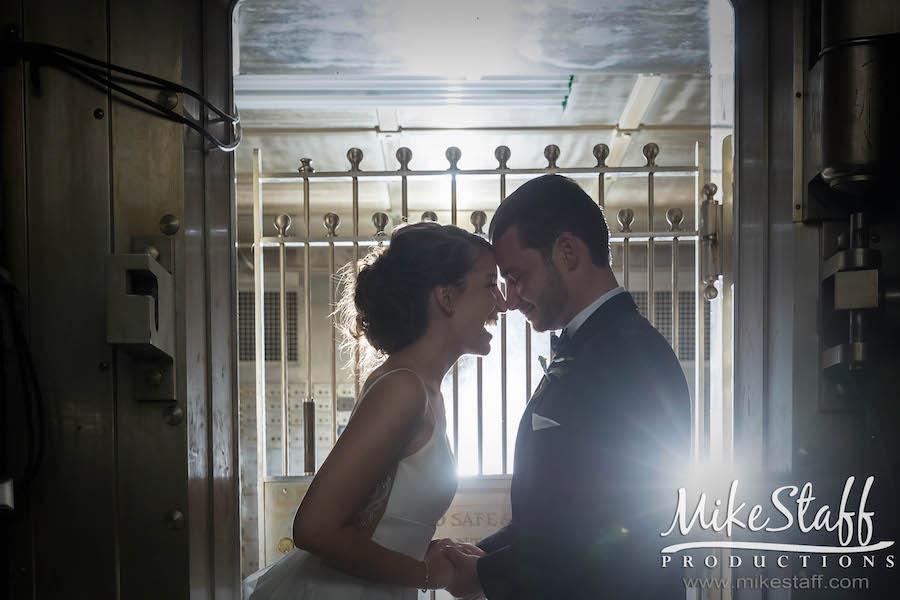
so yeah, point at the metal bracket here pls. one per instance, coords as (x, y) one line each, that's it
(140, 314)
(850, 290)
(854, 259)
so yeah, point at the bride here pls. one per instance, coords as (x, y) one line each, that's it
(364, 528)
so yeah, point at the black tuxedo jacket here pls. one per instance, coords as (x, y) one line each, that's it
(591, 495)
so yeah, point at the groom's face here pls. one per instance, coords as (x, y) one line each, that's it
(534, 285)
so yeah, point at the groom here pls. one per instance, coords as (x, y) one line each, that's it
(605, 439)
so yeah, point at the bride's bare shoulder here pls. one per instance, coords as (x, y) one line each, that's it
(399, 388)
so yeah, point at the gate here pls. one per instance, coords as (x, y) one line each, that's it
(675, 299)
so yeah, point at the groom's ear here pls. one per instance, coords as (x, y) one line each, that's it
(444, 296)
(566, 248)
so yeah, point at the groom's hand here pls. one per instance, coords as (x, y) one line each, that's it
(471, 549)
(438, 545)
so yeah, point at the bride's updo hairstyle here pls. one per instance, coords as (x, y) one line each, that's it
(386, 305)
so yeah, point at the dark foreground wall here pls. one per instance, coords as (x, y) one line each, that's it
(134, 498)
(795, 419)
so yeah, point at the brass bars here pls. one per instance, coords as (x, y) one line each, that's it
(675, 216)
(601, 153)
(355, 156)
(309, 403)
(651, 151)
(478, 219)
(282, 224)
(404, 155)
(453, 155)
(332, 221)
(502, 154)
(631, 241)
(259, 353)
(625, 218)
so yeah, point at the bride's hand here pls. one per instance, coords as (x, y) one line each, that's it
(441, 571)
(465, 583)
(436, 546)
(440, 567)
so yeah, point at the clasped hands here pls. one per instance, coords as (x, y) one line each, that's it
(452, 566)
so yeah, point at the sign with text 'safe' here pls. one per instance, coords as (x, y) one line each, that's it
(476, 513)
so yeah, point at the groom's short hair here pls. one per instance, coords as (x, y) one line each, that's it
(547, 206)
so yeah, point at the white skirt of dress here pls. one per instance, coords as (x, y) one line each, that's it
(303, 576)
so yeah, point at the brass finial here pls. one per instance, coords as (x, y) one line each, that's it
(305, 166)
(551, 153)
(355, 156)
(478, 219)
(331, 221)
(651, 151)
(429, 216)
(404, 155)
(675, 216)
(380, 221)
(502, 155)
(709, 191)
(601, 153)
(625, 218)
(282, 224)
(453, 154)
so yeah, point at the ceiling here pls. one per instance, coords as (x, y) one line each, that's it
(607, 48)
(500, 37)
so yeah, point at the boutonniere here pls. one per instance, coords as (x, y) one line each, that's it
(557, 367)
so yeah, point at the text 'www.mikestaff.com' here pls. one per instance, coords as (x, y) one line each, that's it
(815, 582)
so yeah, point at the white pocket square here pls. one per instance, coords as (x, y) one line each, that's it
(541, 422)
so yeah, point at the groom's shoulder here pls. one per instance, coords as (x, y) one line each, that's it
(626, 334)
(629, 344)
(629, 360)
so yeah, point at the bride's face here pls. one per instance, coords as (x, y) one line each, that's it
(479, 302)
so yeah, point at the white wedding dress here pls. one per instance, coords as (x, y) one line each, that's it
(417, 496)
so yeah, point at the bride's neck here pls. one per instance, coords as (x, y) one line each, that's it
(428, 357)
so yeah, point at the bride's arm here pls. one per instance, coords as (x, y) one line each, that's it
(365, 451)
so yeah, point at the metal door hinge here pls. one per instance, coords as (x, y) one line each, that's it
(709, 229)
